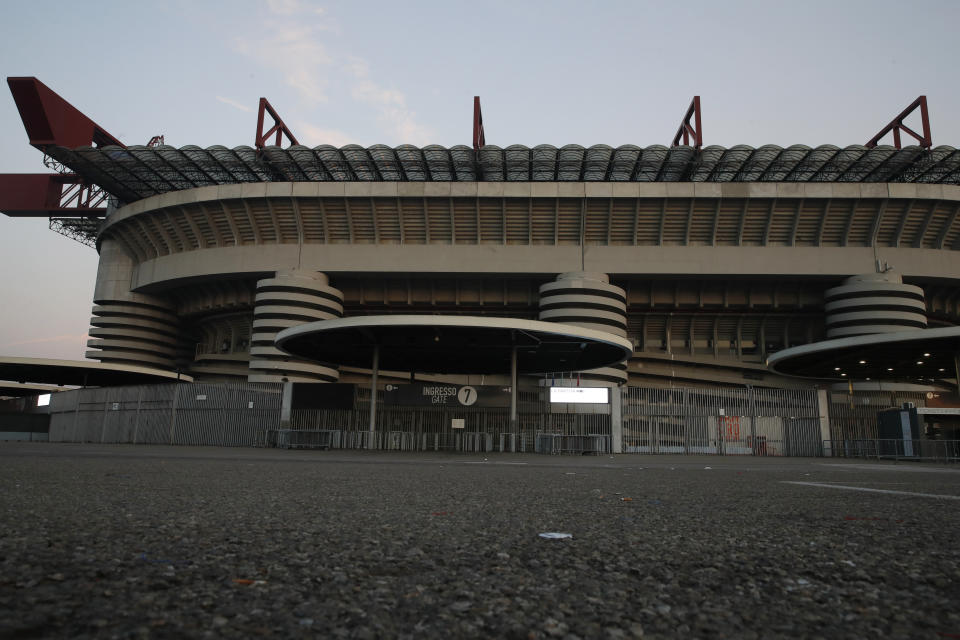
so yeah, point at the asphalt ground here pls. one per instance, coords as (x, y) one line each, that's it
(172, 542)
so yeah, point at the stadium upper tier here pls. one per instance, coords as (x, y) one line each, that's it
(138, 172)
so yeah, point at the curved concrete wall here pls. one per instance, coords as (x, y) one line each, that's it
(654, 228)
(287, 300)
(129, 327)
(874, 303)
(173, 252)
(588, 300)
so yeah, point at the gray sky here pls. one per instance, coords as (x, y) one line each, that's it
(813, 72)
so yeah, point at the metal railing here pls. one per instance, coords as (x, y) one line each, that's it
(560, 444)
(895, 449)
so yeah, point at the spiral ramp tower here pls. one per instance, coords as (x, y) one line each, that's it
(127, 327)
(289, 299)
(588, 300)
(874, 303)
(134, 332)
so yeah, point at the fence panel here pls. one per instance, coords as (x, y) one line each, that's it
(854, 417)
(728, 421)
(188, 414)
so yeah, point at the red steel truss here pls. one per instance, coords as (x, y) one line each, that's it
(52, 121)
(278, 128)
(50, 194)
(688, 130)
(478, 138)
(896, 125)
(155, 141)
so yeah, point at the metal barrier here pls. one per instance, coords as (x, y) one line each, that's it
(302, 439)
(721, 421)
(229, 414)
(854, 416)
(695, 420)
(895, 449)
(559, 444)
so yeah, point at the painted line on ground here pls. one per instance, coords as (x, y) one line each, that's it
(890, 467)
(495, 463)
(868, 490)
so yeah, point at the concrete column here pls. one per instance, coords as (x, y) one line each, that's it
(823, 410)
(513, 390)
(616, 419)
(373, 393)
(286, 405)
(956, 370)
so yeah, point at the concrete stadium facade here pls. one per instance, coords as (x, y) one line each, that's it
(707, 279)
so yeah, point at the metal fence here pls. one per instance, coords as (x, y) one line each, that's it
(431, 428)
(853, 416)
(721, 421)
(715, 421)
(188, 414)
(895, 449)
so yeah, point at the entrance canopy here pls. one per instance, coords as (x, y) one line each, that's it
(81, 373)
(918, 355)
(454, 344)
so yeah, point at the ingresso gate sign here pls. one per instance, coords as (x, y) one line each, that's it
(446, 395)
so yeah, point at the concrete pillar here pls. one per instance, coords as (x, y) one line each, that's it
(956, 371)
(373, 393)
(286, 405)
(823, 406)
(616, 419)
(513, 390)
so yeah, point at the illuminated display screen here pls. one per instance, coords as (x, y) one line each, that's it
(587, 395)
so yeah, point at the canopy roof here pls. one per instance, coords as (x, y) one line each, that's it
(84, 373)
(138, 172)
(918, 355)
(454, 344)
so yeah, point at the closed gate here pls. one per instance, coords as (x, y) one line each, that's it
(721, 421)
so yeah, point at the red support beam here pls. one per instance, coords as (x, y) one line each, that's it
(896, 125)
(688, 130)
(278, 128)
(41, 195)
(52, 121)
(478, 138)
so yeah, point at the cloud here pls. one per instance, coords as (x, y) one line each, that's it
(292, 48)
(294, 51)
(311, 136)
(292, 7)
(234, 103)
(391, 104)
(64, 338)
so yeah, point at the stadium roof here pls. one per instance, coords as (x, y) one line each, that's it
(137, 172)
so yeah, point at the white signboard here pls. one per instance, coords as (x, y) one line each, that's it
(456, 423)
(583, 395)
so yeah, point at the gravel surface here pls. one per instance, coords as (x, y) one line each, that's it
(142, 541)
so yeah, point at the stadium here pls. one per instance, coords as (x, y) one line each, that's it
(705, 260)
